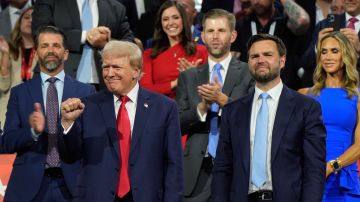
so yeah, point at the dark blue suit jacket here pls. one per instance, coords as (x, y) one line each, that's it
(297, 151)
(29, 165)
(155, 162)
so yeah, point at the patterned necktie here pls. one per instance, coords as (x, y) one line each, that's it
(52, 113)
(214, 130)
(83, 73)
(258, 174)
(124, 132)
(352, 22)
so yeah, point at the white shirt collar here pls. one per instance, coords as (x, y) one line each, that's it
(274, 93)
(224, 63)
(133, 94)
(60, 76)
(347, 17)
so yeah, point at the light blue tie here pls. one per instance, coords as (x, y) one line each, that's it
(258, 174)
(83, 73)
(214, 130)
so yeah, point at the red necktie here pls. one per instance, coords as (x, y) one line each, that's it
(351, 24)
(124, 132)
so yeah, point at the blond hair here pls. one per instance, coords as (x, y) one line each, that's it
(350, 80)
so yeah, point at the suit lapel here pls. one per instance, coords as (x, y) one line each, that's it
(244, 127)
(283, 114)
(69, 91)
(203, 75)
(232, 76)
(107, 109)
(35, 90)
(142, 113)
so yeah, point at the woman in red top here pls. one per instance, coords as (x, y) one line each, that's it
(173, 50)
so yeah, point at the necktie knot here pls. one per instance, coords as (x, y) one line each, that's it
(217, 67)
(264, 96)
(124, 99)
(52, 80)
(353, 20)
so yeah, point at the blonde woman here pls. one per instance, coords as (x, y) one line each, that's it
(336, 83)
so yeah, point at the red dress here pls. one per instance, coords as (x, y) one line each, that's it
(160, 71)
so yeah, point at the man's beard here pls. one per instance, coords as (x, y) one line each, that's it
(220, 53)
(50, 65)
(265, 78)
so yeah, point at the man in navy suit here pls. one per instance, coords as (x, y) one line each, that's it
(39, 173)
(146, 168)
(272, 141)
(352, 10)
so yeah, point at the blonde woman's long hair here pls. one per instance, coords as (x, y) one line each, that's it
(350, 80)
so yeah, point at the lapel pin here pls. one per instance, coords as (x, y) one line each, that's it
(146, 105)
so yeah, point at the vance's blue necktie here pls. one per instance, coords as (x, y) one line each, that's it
(258, 173)
(83, 73)
(214, 130)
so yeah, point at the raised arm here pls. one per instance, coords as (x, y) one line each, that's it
(298, 18)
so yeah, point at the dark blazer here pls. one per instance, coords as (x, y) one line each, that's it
(297, 152)
(155, 162)
(65, 15)
(5, 23)
(309, 57)
(29, 165)
(237, 83)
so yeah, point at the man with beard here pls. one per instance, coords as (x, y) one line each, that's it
(31, 128)
(272, 142)
(201, 94)
(289, 25)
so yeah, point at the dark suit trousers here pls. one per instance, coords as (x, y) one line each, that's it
(202, 191)
(53, 189)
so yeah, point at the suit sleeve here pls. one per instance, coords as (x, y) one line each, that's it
(122, 25)
(44, 15)
(189, 120)
(222, 171)
(174, 171)
(314, 148)
(17, 132)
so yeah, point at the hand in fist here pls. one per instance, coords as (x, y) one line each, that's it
(71, 109)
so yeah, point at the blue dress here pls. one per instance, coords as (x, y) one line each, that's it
(340, 117)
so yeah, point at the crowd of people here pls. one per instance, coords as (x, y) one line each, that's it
(142, 101)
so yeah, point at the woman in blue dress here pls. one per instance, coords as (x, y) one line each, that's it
(336, 88)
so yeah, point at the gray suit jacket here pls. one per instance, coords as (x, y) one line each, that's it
(238, 82)
(5, 23)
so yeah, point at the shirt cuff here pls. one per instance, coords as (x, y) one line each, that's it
(35, 135)
(67, 130)
(83, 37)
(201, 117)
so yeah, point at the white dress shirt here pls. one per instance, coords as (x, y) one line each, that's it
(272, 102)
